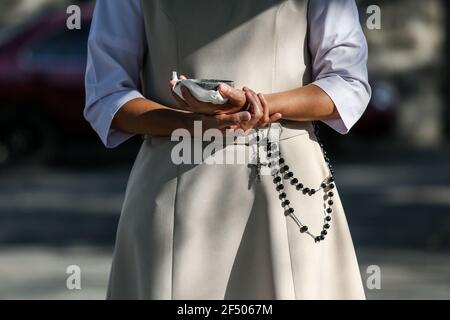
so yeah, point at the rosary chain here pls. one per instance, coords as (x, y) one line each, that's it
(282, 172)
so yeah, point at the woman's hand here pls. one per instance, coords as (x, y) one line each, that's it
(236, 100)
(222, 121)
(244, 110)
(259, 111)
(255, 116)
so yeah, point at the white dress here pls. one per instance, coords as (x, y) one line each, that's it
(210, 231)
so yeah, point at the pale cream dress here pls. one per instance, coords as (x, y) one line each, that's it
(201, 231)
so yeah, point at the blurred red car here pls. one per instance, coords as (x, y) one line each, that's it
(42, 66)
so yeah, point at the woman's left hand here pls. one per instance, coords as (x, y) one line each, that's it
(259, 111)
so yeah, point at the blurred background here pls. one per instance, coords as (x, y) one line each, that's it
(61, 190)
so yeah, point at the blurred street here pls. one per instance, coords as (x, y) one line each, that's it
(397, 203)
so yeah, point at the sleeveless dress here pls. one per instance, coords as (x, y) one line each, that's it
(208, 231)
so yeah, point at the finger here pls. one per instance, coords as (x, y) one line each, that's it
(180, 101)
(275, 117)
(235, 97)
(255, 99)
(251, 104)
(266, 115)
(172, 82)
(188, 97)
(255, 106)
(226, 120)
(250, 90)
(177, 98)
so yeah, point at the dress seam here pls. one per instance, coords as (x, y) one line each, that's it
(173, 230)
(290, 257)
(275, 49)
(272, 88)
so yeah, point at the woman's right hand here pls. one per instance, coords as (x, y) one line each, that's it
(255, 116)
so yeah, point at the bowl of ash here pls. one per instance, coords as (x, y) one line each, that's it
(212, 84)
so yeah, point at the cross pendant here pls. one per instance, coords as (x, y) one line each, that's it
(258, 167)
(258, 164)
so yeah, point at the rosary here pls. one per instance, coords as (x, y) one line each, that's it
(281, 172)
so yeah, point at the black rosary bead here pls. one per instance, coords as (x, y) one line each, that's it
(289, 212)
(280, 170)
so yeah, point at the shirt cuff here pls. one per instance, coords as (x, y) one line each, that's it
(110, 137)
(337, 89)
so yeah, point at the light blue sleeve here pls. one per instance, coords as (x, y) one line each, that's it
(339, 59)
(116, 48)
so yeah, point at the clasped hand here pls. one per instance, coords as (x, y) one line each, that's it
(245, 109)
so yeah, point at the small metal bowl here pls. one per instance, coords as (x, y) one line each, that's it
(212, 84)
